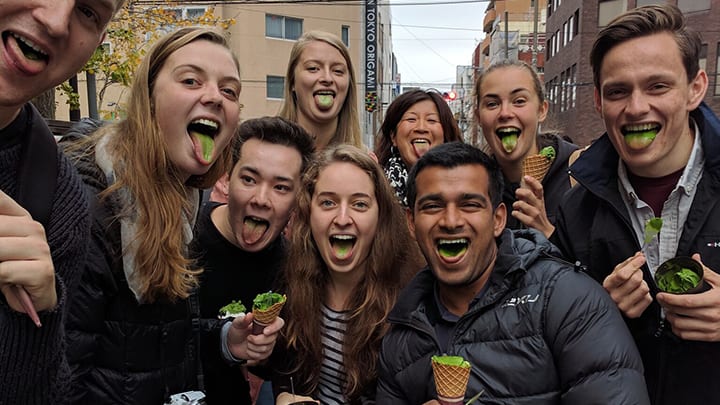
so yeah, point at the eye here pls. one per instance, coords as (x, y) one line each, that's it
(326, 203)
(491, 104)
(247, 180)
(520, 101)
(614, 93)
(284, 188)
(339, 71)
(231, 93)
(410, 119)
(430, 206)
(361, 205)
(190, 81)
(313, 69)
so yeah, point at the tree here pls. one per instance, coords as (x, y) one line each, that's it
(129, 36)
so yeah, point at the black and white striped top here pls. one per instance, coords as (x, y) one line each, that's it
(332, 372)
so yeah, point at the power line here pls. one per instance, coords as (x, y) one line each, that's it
(316, 2)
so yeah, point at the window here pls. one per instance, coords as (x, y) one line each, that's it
(609, 9)
(275, 86)
(277, 26)
(566, 34)
(649, 2)
(345, 35)
(576, 23)
(573, 91)
(688, 6)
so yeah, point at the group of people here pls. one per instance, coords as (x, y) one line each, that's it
(424, 246)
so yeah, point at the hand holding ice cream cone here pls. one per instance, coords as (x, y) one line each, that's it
(266, 307)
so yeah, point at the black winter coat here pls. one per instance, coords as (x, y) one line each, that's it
(541, 333)
(594, 227)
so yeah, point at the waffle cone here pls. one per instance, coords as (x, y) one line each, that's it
(450, 381)
(536, 166)
(268, 316)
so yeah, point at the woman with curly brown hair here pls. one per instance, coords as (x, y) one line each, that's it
(348, 261)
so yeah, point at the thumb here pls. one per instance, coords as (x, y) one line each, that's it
(708, 274)
(240, 329)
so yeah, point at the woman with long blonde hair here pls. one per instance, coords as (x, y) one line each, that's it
(321, 90)
(347, 263)
(130, 322)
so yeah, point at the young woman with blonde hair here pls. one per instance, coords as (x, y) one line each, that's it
(130, 321)
(321, 90)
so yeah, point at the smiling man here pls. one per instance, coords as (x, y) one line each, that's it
(533, 328)
(240, 244)
(660, 157)
(44, 227)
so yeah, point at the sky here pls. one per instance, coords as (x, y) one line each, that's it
(431, 37)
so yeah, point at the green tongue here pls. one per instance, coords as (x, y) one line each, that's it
(325, 100)
(640, 139)
(452, 249)
(509, 142)
(207, 143)
(342, 247)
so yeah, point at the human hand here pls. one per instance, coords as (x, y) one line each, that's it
(695, 316)
(25, 258)
(253, 348)
(286, 398)
(627, 287)
(530, 206)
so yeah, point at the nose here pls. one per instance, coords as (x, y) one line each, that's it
(261, 196)
(212, 96)
(55, 16)
(326, 76)
(344, 216)
(505, 110)
(637, 104)
(451, 219)
(421, 125)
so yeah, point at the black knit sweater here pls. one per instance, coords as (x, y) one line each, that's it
(33, 368)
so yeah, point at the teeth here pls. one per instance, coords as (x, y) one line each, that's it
(206, 122)
(325, 92)
(451, 241)
(507, 130)
(29, 43)
(425, 141)
(640, 127)
(343, 237)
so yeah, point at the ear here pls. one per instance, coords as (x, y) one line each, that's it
(598, 101)
(223, 185)
(542, 114)
(697, 89)
(499, 219)
(411, 221)
(392, 138)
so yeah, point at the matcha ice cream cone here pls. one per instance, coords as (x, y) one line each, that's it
(266, 307)
(538, 165)
(451, 377)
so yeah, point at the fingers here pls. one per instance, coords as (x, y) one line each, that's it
(9, 207)
(627, 288)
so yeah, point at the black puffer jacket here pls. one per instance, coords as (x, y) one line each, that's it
(542, 333)
(594, 227)
(122, 352)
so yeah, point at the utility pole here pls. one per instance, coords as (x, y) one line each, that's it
(507, 39)
(535, 33)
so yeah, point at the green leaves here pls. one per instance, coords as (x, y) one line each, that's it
(678, 280)
(265, 300)
(652, 229)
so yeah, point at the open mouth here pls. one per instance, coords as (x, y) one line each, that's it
(641, 135)
(509, 137)
(253, 229)
(342, 245)
(420, 146)
(452, 248)
(324, 99)
(203, 132)
(29, 49)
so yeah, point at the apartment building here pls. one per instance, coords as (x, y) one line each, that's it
(571, 29)
(262, 37)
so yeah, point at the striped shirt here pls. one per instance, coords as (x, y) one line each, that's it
(332, 373)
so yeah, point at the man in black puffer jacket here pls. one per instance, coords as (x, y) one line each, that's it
(534, 329)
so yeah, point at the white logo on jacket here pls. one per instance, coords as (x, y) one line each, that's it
(515, 301)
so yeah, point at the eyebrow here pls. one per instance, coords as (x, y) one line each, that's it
(334, 194)
(201, 70)
(514, 91)
(256, 172)
(463, 197)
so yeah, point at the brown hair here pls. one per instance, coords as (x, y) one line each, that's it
(348, 126)
(307, 278)
(142, 167)
(644, 21)
(399, 106)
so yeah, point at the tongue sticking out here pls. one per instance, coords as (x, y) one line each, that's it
(204, 145)
(640, 140)
(253, 230)
(324, 101)
(509, 142)
(32, 61)
(342, 247)
(450, 250)
(421, 147)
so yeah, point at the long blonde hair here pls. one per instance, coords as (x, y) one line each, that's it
(159, 195)
(348, 127)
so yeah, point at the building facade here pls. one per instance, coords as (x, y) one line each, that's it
(571, 29)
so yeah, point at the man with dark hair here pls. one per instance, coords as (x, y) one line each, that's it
(240, 244)
(44, 227)
(659, 158)
(534, 329)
